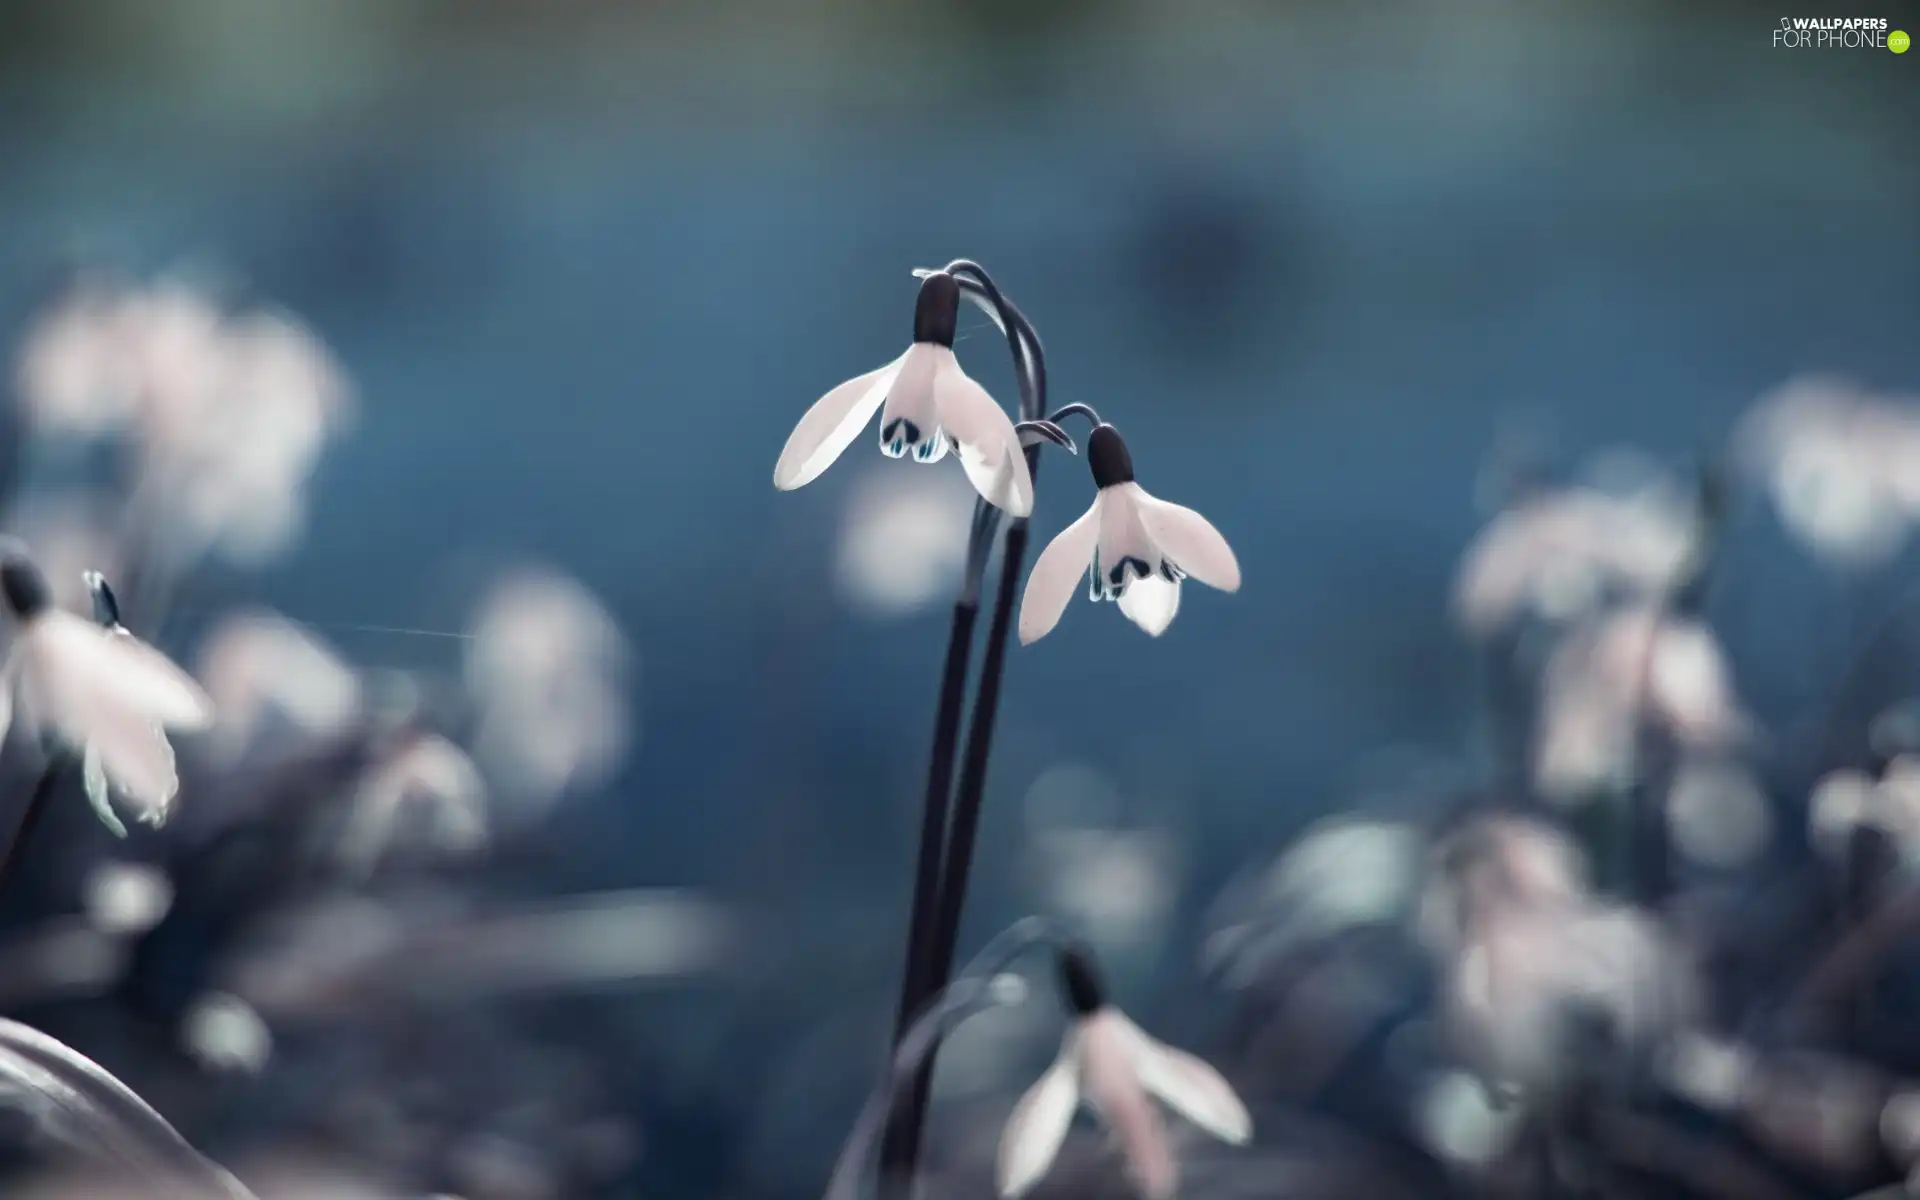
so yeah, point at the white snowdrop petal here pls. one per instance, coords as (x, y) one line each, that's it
(136, 758)
(1036, 1129)
(989, 449)
(1151, 603)
(1113, 1088)
(910, 419)
(174, 697)
(1123, 540)
(830, 426)
(1193, 1089)
(1190, 540)
(1056, 575)
(73, 653)
(93, 779)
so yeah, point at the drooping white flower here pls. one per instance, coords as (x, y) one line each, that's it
(1134, 547)
(103, 692)
(1846, 799)
(423, 769)
(261, 669)
(1110, 1064)
(927, 404)
(1633, 666)
(1532, 979)
(1560, 552)
(1842, 467)
(551, 674)
(74, 365)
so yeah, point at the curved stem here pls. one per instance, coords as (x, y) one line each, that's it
(946, 854)
(1033, 384)
(961, 838)
(1076, 409)
(969, 995)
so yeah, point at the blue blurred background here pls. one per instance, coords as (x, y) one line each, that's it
(587, 263)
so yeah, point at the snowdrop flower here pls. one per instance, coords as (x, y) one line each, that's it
(1842, 467)
(1846, 799)
(1532, 978)
(1134, 547)
(1557, 553)
(551, 674)
(927, 406)
(1606, 678)
(266, 673)
(73, 370)
(1111, 1064)
(101, 691)
(426, 769)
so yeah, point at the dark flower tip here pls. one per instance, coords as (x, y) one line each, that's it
(936, 314)
(1080, 980)
(24, 587)
(1107, 457)
(106, 607)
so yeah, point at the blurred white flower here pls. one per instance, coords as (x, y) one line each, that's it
(230, 466)
(903, 542)
(1461, 1123)
(1559, 553)
(1846, 798)
(102, 691)
(1495, 861)
(1109, 1061)
(74, 370)
(127, 898)
(424, 772)
(1632, 665)
(258, 667)
(1711, 1073)
(931, 405)
(1133, 547)
(1842, 466)
(548, 669)
(223, 1033)
(1531, 977)
(1718, 813)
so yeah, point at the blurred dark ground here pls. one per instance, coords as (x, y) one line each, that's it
(588, 262)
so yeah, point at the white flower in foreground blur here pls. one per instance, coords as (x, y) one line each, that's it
(102, 691)
(1606, 678)
(258, 667)
(927, 406)
(1134, 547)
(548, 668)
(1558, 553)
(1847, 799)
(1110, 1063)
(1842, 466)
